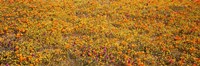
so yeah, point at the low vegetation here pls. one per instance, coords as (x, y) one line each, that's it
(100, 32)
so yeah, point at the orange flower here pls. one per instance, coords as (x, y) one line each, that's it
(18, 65)
(11, 1)
(119, 52)
(197, 59)
(19, 35)
(124, 43)
(164, 49)
(126, 56)
(67, 46)
(126, 20)
(29, 57)
(1, 32)
(197, 1)
(194, 65)
(17, 52)
(22, 30)
(138, 60)
(133, 45)
(128, 64)
(17, 48)
(192, 49)
(141, 64)
(21, 58)
(19, 55)
(63, 30)
(139, 53)
(36, 60)
(6, 28)
(89, 54)
(31, 49)
(128, 50)
(31, 65)
(1, 39)
(177, 38)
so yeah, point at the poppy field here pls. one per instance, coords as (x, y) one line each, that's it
(99, 32)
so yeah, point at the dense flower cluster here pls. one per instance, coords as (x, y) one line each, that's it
(100, 32)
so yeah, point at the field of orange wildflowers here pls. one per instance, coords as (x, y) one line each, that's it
(100, 32)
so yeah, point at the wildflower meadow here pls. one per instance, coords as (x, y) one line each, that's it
(99, 32)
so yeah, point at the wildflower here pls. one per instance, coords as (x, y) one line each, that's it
(31, 65)
(192, 49)
(36, 60)
(21, 58)
(197, 1)
(7, 64)
(6, 28)
(126, 56)
(172, 60)
(11, 1)
(124, 43)
(128, 50)
(128, 64)
(1, 39)
(31, 49)
(19, 35)
(22, 30)
(133, 46)
(141, 64)
(194, 65)
(67, 46)
(119, 52)
(180, 62)
(89, 54)
(164, 49)
(58, 51)
(197, 59)
(63, 30)
(17, 48)
(29, 57)
(1, 32)
(177, 38)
